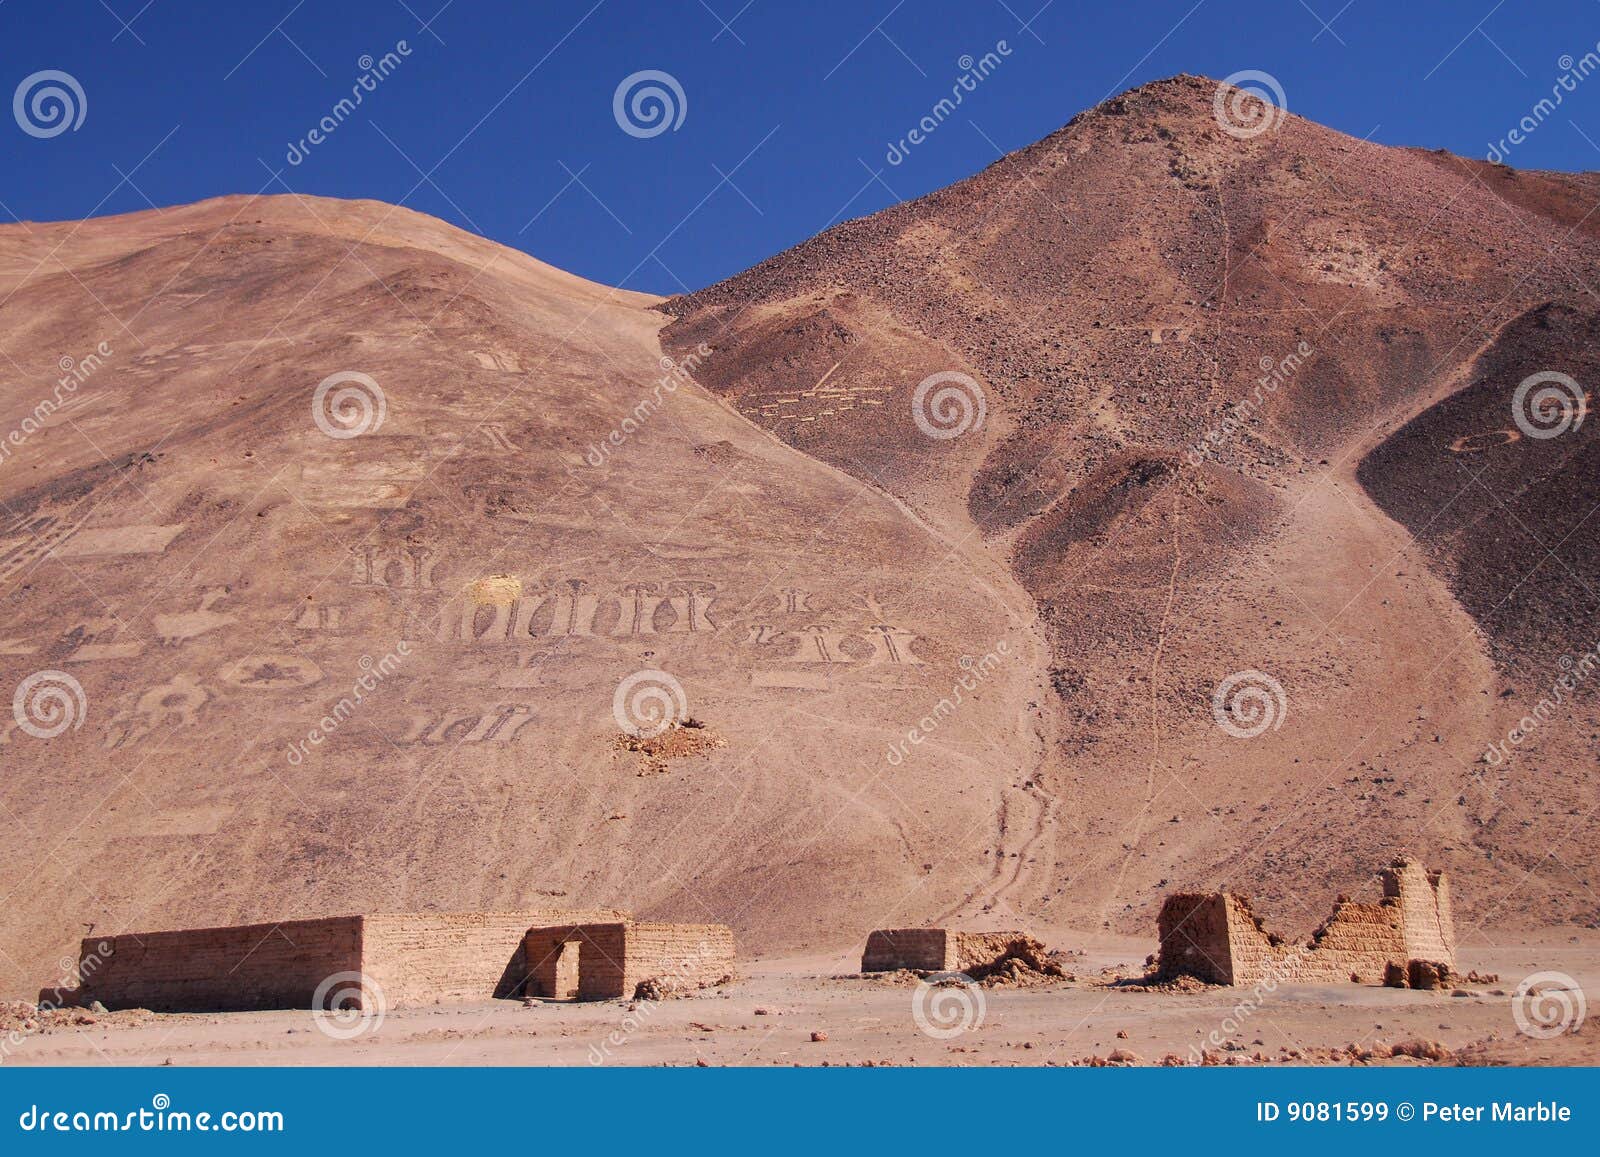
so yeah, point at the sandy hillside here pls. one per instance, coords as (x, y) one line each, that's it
(964, 675)
(218, 574)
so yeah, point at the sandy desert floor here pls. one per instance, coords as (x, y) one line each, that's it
(768, 1017)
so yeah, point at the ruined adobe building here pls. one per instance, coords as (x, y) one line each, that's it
(607, 961)
(1217, 938)
(944, 950)
(410, 958)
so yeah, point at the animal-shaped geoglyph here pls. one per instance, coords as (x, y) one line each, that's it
(175, 629)
(177, 702)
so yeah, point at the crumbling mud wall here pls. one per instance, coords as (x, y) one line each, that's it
(1197, 938)
(402, 958)
(978, 954)
(1218, 938)
(1426, 915)
(610, 961)
(946, 950)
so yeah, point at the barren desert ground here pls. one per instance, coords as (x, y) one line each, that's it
(770, 1014)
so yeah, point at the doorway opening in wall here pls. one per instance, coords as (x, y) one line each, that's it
(566, 986)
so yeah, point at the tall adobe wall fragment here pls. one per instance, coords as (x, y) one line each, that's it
(1217, 938)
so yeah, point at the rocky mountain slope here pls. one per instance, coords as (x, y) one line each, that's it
(1213, 366)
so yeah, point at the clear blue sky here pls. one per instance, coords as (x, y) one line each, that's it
(789, 107)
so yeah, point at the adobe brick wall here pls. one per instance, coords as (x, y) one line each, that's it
(941, 949)
(432, 957)
(614, 958)
(412, 958)
(1217, 937)
(222, 969)
(600, 959)
(1425, 912)
(1195, 936)
(891, 949)
(681, 956)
